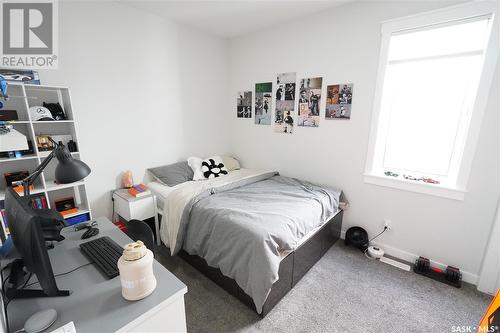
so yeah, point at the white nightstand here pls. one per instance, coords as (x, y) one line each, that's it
(131, 208)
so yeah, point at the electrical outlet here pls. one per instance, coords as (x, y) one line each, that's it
(387, 224)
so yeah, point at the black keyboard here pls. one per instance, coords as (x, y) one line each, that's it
(104, 252)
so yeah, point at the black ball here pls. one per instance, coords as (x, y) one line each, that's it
(357, 237)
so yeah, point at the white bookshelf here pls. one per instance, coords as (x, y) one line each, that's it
(35, 96)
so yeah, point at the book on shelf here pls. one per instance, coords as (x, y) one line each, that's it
(20, 188)
(39, 202)
(138, 191)
(44, 202)
(2, 231)
(15, 180)
(69, 211)
(4, 228)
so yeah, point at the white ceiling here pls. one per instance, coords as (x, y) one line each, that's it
(228, 18)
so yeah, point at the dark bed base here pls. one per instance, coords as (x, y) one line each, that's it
(292, 268)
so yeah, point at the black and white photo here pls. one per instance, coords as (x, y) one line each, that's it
(285, 102)
(309, 101)
(244, 104)
(263, 98)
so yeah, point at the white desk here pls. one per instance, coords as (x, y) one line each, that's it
(96, 304)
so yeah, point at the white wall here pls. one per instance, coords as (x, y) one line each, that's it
(146, 91)
(342, 45)
(489, 276)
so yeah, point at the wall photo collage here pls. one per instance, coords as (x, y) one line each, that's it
(338, 102)
(284, 115)
(244, 108)
(263, 100)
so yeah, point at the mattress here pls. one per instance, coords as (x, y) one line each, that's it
(162, 192)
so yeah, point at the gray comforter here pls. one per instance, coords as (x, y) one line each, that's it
(244, 229)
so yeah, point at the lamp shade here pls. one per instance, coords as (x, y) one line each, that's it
(69, 170)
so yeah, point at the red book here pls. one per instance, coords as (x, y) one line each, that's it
(44, 202)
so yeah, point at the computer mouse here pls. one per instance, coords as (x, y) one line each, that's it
(91, 232)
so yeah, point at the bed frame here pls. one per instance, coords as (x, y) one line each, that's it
(292, 268)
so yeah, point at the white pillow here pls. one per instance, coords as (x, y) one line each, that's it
(230, 163)
(213, 167)
(208, 168)
(195, 164)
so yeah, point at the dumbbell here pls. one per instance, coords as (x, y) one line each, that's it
(422, 264)
(452, 274)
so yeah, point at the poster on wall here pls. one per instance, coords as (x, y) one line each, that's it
(309, 101)
(244, 104)
(338, 101)
(285, 102)
(263, 98)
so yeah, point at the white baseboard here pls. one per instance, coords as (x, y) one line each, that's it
(411, 257)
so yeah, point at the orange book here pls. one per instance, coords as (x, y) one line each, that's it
(20, 188)
(133, 191)
(69, 211)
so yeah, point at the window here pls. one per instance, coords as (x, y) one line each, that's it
(434, 75)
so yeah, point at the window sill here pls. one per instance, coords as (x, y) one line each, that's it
(412, 186)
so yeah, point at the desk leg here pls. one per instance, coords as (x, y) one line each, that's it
(157, 223)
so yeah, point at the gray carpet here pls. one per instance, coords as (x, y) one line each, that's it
(343, 292)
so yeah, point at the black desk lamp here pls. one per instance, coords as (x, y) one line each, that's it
(69, 170)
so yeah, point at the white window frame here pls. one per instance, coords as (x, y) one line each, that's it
(440, 16)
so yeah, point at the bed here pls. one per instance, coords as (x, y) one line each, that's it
(255, 233)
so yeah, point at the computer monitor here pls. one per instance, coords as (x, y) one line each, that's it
(25, 225)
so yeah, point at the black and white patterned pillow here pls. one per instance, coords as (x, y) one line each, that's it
(212, 168)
